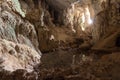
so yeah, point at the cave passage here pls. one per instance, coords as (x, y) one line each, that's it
(59, 39)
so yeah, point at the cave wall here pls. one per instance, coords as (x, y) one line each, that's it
(28, 26)
(103, 13)
(106, 25)
(18, 38)
(107, 15)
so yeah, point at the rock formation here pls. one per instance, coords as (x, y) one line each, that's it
(18, 38)
(73, 35)
(106, 27)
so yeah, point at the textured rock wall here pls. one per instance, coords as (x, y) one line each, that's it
(19, 42)
(107, 15)
(49, 19)
(106, 25)
(39, 16)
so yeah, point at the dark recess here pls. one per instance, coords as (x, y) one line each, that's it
(36, 2)
(118, 41)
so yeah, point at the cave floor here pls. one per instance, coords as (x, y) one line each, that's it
(72, 64)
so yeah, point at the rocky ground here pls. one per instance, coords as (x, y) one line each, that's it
(86, 67)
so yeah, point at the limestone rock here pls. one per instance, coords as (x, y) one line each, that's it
(12, 58)
(18, 38)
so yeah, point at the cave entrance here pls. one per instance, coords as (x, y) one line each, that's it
(118, 41)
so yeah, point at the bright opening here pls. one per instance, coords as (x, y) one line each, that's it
(90, 21)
